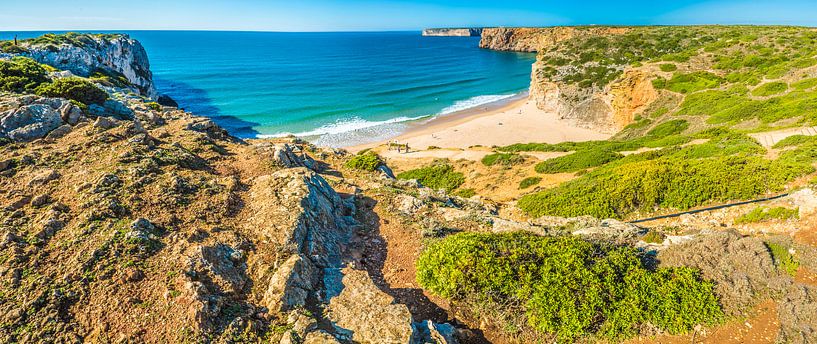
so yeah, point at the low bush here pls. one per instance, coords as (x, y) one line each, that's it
(653, 237)
(505, 159)
(669, 128)
(529, 182)
(464, 193)
(794, 140)
(154, 106)
(21, 75)
(567, 287)
(368, 161)
(437, 176)
(618, 189)
(577, 161)
(762, 214)
(668, 67)
(783, 259)
(688, 83)
(769, 89)
(77, 89)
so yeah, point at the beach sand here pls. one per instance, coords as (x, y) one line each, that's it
(514, 121)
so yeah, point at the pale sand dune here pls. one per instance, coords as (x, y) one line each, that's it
(516, 122)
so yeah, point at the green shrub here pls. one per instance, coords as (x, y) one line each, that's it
(577, 161)
(618, 189)
(568, 287)
(653, 237)
(669, 128)
(77, 89)
(783, 259)
(761, 214)
(21, 75)
(505, 159)
(805, 84)
(668, 67)
(464, 193)
(437, 176)
(794, 140)
(368, 161)
(154, 106)
(769, 89)
(529, 182)
(688, 83)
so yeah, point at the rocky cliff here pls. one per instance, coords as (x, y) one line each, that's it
(464, 32)
(567, 79)
(114, 55)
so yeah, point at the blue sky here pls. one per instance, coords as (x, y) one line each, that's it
(366, 15)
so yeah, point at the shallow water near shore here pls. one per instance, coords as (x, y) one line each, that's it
(338, 89)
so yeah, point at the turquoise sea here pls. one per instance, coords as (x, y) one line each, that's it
(334, 88)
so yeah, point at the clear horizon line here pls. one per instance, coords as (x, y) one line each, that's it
(401, 30)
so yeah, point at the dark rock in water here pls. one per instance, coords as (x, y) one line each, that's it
(165, 100)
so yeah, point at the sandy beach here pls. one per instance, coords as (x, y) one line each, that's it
(514, 121)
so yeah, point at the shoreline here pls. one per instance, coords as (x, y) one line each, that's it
(512, 120)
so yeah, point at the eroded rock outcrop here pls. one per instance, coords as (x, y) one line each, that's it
(28, 118)
(86, 54)
(364, 314)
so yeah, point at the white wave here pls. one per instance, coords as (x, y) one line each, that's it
(474, 102)
(342, 126)
(355, 130)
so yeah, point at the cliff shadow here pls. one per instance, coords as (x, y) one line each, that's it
(199, 102)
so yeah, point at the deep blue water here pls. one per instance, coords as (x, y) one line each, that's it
(337, 88)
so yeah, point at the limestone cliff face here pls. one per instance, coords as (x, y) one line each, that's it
(452, 32)
(534, 39)
(88, 54)
(607, 110)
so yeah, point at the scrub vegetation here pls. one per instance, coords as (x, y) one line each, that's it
(566, 287)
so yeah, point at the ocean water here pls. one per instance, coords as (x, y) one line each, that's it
(333, 88)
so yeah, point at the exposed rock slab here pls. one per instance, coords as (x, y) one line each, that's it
(365, 314)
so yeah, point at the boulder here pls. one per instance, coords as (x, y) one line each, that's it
(29, 122)
(59, 132)
(291, 284)
(43, 177)
(319, 337)
(287, 155)
(297, 210)
(364, 314)
(111, 108)
(70, 113)
(165, 100)
(217, 264)
(105, 123)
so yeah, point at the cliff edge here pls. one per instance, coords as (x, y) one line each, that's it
(113, 55)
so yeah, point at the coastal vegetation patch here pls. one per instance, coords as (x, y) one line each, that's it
(577, 161)
(21, 75)
(647, 181)
(529, 182)
(566, 287)
(77, 89)
(762, 214)
(504, 159)
(437, 176)
(367, 161)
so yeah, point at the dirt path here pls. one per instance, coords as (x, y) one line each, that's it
(760, 328)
